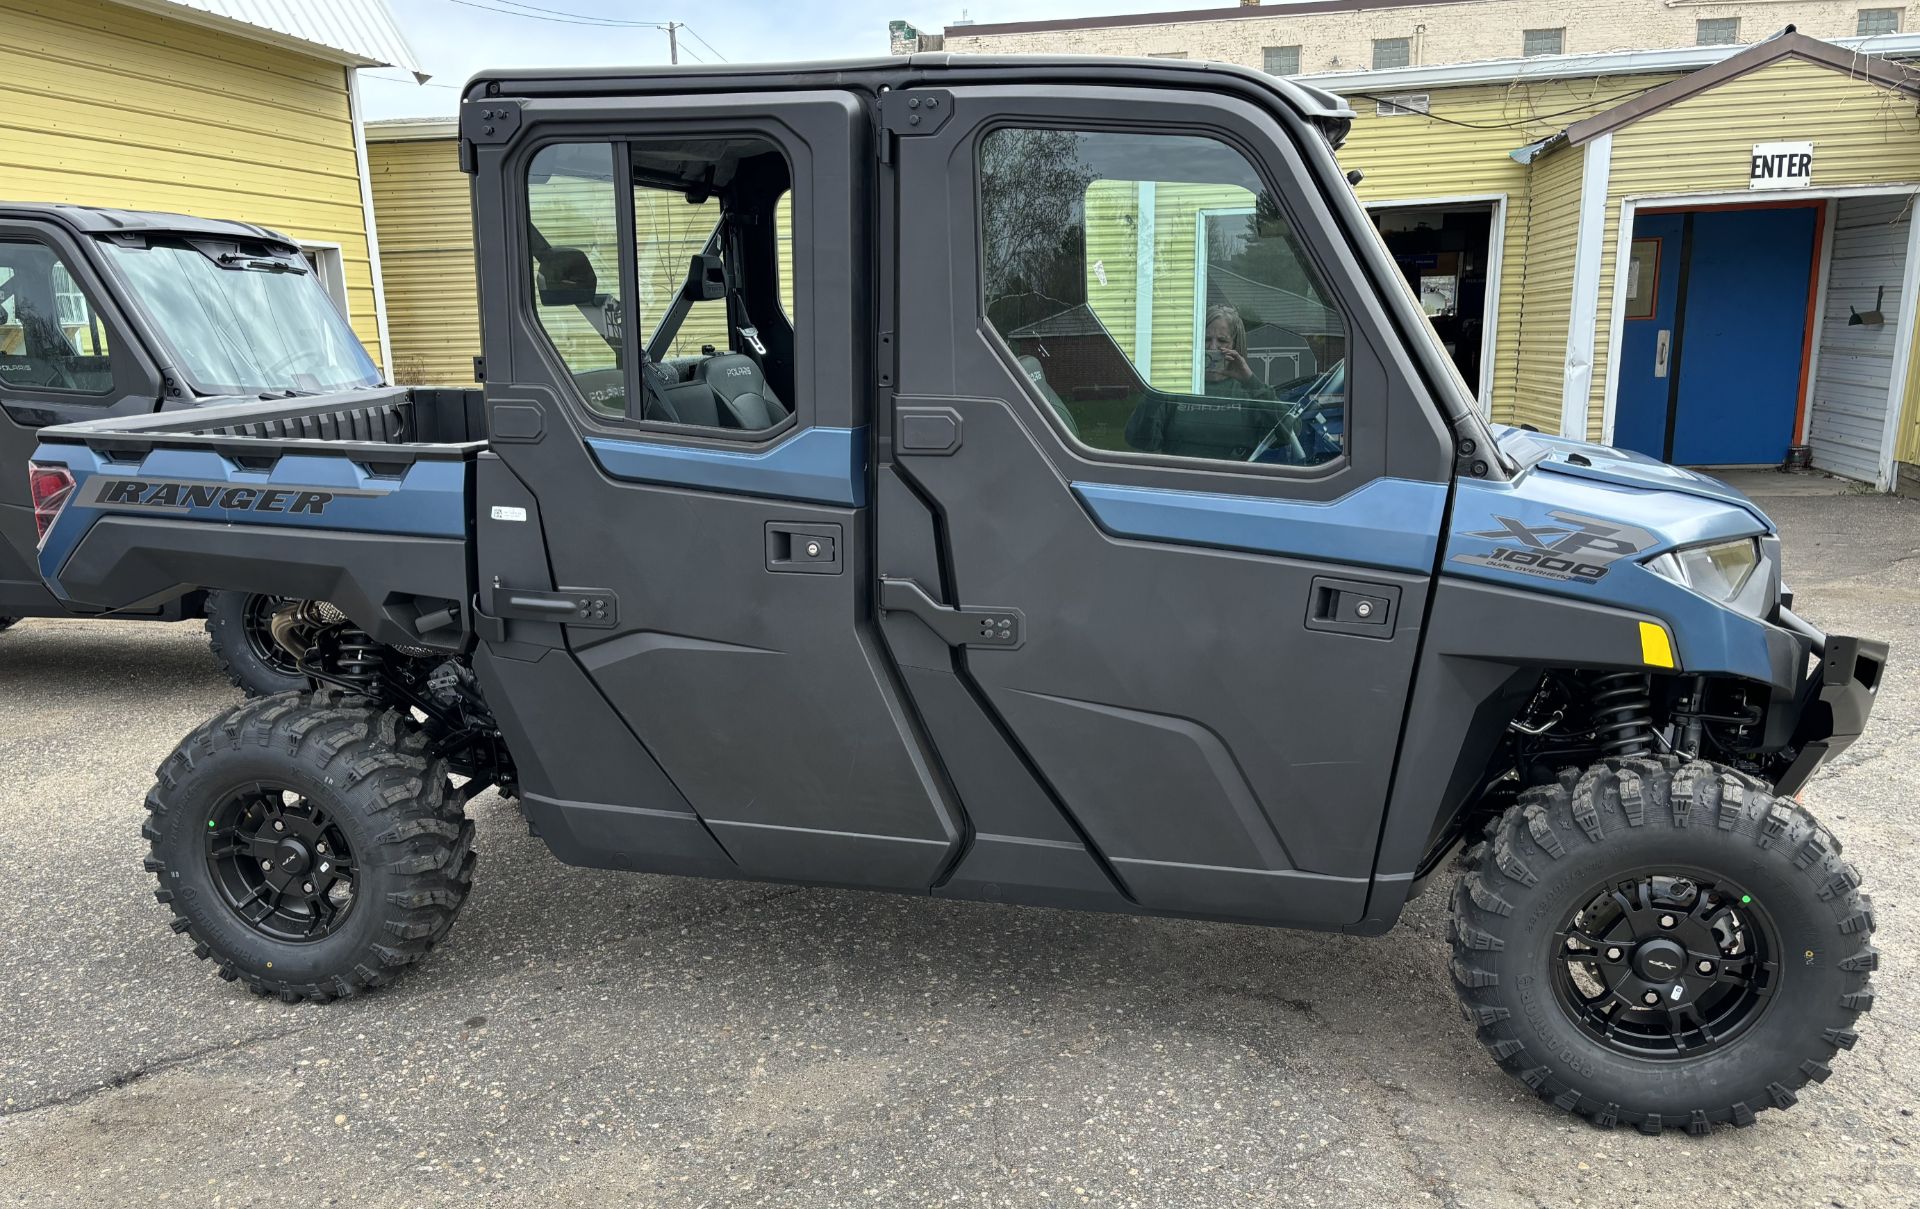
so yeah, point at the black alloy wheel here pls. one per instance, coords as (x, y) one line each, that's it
(1665, 965)
(280, 864)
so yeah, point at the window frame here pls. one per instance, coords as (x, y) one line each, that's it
(632, 346)
(127, 371)
(1405, 45)
(1559, 33)
(1266, 59)
(1308, 240)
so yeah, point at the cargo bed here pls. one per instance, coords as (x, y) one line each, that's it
(359, 499)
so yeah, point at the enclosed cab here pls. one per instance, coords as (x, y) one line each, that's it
(1022, 480)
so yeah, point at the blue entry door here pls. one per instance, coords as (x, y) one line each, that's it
(1735, 306)
(1646, 336)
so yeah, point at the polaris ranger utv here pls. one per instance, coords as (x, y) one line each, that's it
(122, 313)
(1074, 510)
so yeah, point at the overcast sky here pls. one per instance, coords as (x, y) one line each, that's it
(456, 38)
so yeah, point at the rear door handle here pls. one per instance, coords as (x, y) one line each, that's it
(1352, 606)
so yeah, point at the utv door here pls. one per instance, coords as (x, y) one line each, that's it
(674, 527)
(1160, 493)
(65, 356)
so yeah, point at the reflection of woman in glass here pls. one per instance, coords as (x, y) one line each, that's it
(1217, 425)
(1228, 374)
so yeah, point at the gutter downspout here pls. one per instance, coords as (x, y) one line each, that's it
(366, 214)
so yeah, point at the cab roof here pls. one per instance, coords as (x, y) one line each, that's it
(1325, 110)
(101, 220)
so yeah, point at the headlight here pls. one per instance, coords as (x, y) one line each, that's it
(1717, 571)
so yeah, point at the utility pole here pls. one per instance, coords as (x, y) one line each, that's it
(673, 42)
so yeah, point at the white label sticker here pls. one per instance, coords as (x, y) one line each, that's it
(509, 514)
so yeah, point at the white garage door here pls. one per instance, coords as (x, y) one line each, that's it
(1849, 392)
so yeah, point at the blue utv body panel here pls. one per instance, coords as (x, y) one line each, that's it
(426, 499)
(1392, 523)
(817, 466)
(1653, 507)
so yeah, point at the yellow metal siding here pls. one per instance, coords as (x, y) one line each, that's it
(106, 105)
(1462, 147)
(1862, 135)
(1549, 226)
(421, 203)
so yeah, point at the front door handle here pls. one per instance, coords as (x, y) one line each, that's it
(1352, 606)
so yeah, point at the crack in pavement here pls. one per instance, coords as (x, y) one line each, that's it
(128, 1078)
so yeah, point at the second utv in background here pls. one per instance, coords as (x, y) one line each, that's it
(121, 313)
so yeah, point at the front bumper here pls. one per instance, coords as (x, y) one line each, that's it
(1830, 707)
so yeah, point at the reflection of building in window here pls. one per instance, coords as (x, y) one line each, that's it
(72, 303)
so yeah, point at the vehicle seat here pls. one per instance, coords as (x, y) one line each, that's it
(1030, 365)
(744, 398)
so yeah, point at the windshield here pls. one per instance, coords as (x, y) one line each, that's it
(247, 329)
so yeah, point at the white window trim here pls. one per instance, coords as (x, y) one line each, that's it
(1903, 335)
(1576, 387)
(331, 272)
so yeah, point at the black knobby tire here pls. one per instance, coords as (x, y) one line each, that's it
(389, 804)
(1622, 817)
(245, 651)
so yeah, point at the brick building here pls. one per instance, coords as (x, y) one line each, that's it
(1355, 35)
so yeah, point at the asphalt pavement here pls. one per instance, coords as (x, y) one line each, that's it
(597, 1038)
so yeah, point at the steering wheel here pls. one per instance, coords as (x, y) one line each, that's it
(1296, 415)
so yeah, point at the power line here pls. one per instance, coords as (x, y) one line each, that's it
(556, 16)
(417, 83)
(1517, 123)
(702, 41)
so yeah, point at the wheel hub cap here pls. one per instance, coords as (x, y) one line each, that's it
(291, 858)
(1660, 960)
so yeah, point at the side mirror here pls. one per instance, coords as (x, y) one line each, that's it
(567, 278)
(706, 278)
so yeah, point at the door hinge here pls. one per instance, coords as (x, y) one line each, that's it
(1003, 628)
(912, 111)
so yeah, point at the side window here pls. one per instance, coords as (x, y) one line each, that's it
(1175, 315)
(51, 337)
(711, 264)
(573, 236)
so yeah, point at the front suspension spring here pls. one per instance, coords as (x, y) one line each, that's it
(1623, 713)
(357, 659)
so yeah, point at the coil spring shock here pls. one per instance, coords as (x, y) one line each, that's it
(357, 659)
(1623, 713)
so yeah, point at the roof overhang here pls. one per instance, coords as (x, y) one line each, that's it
(1586, 66)
(411, 130)
(354, 33)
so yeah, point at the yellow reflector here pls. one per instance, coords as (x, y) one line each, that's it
(1655, 648)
